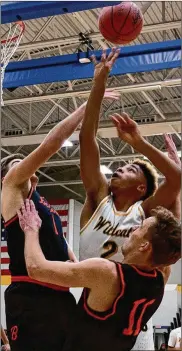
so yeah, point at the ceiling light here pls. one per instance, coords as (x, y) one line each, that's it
(83, 57)
(84, 60)
(67, 143)
(105, 170)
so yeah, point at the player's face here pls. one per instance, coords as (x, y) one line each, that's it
(137, 237)
(128, 176)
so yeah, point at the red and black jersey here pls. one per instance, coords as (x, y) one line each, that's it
(51, 236)
(117, 329)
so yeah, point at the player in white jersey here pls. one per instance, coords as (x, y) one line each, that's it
(112, 209)
(107, 229)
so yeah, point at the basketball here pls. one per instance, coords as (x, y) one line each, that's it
(121, 24)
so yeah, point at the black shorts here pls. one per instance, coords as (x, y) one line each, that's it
(37, 317)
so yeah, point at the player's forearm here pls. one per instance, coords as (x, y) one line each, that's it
(168, 168)
(90, 123)
(34, 257)
(38, 268)
(174, 348)
(64, 129)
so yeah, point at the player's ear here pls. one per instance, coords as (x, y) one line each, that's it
(142, 189)
(144, 246)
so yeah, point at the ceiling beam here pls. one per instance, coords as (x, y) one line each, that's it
(38, 35)
(69, 41)
(147, 129)
(15, 119)
(103, 159)
(124, 89)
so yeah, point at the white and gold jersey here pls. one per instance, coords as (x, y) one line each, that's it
(107, 229)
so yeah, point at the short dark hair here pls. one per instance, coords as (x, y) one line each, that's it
(165, 236)
(6, 160)
(151, 176)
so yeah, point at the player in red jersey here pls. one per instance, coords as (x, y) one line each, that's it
(119, 298)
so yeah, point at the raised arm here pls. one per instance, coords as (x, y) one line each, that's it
(94, 181)
(173, 155)
(89, 273)
(51, 144)
(167, 192)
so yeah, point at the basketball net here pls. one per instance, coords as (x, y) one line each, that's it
(8, 48)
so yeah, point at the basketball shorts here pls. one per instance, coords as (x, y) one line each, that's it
(37, 317)
(145, 340)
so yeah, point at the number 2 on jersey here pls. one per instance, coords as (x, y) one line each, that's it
(111, 247)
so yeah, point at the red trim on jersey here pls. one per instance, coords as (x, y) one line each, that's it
(29, 280)
(153, 274)
(129, 330)
(92, 313)
(138, 326)
(54, 224)
(16, 216)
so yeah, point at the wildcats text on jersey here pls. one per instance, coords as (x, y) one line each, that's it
(109, 229)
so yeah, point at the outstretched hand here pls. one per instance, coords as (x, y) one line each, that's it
(171, 149)
(103, 67)
(127, 129)
(29, 219)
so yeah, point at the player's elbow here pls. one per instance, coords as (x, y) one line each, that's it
(34, 271)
